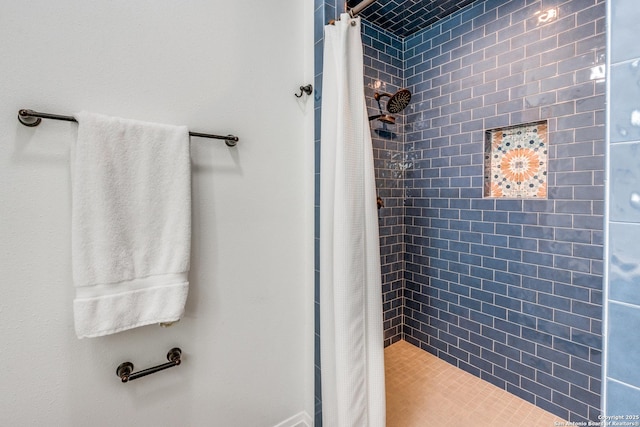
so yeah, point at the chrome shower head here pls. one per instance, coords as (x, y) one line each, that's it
(397, 102)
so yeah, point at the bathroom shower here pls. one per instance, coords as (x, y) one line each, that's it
(396, 103)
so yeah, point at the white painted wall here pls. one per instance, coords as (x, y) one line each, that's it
(216, 66)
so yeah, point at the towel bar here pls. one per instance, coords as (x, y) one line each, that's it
(124, 371)
(33, 118)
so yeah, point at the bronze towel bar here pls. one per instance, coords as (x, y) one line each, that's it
(33, 118)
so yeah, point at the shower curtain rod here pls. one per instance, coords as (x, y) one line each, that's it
(33, 118)
(354, 11)
(360, 7)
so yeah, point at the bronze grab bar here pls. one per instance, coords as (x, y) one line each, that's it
(124, 371)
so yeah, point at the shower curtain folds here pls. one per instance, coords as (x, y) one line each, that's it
(351, 347)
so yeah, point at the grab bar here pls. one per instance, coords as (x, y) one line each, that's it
(124, 371)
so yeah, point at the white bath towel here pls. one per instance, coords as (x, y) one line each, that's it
(131, 223)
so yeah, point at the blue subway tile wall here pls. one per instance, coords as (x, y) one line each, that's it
(510, 290)
(383, 73)
(622, 322)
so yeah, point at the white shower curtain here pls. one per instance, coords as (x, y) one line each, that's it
(351, 341)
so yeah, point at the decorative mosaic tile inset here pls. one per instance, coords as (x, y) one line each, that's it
(516, 162)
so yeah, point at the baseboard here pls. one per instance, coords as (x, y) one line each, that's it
(299, 420)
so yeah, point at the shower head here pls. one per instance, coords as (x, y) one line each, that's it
(397, 102)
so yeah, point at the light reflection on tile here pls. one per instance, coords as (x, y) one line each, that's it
(624, 267)
(624, 348)
(622, 400)
(625, 182)
(624, 35)
(625, 112)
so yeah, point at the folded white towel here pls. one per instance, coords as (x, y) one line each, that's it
(131, 223)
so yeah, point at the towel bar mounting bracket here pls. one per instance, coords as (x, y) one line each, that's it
(27, 119)
(125, 369)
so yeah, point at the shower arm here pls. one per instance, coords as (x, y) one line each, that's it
(377, 96)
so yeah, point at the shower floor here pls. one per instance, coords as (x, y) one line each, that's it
(423, 390)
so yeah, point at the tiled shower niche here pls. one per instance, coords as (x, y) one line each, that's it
(516, 162)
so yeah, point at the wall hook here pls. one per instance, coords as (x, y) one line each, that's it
(308, 89)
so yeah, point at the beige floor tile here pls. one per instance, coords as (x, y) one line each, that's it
(423, 390)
